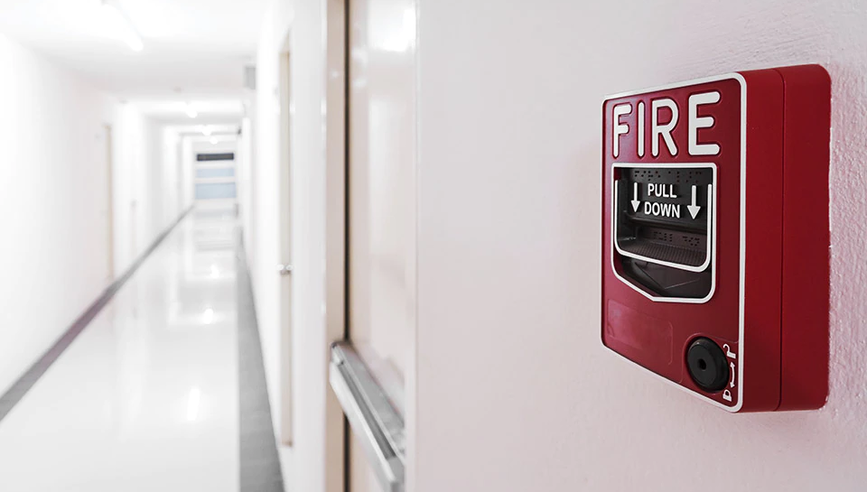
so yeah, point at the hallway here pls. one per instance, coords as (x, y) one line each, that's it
(146, 398)
(433, 246)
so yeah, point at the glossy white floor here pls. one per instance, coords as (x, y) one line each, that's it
(146, 399)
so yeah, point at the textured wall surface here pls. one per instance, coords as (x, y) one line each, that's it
(515, 391)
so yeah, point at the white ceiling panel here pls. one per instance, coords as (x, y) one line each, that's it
(193, 49)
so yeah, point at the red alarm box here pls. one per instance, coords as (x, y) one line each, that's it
(715, 237)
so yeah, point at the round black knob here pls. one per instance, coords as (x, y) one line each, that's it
(707, 364)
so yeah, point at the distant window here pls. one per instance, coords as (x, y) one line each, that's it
(227, 156)
(221, 172)
(211, 191)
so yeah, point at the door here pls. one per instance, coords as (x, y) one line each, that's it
(284, 269)
(381, 198)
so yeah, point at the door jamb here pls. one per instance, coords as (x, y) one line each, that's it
(336, 234)
(285, 239)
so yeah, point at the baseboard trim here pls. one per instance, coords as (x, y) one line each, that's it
(25, 382)
(258, 458)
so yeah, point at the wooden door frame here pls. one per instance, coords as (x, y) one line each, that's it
(339, 62)
(336, 234)
(334, 80)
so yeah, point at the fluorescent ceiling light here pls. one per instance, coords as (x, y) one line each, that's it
(213, 140)
(191, 110)
(206, 131)
(123, 27)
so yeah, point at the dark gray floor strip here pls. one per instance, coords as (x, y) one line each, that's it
(259, 459)
(20, 388)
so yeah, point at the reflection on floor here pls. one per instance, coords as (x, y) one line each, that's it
(146, 398)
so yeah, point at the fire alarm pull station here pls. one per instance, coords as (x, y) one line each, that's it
(715, 235)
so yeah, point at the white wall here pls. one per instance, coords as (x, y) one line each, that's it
(262, 235)
(188, 171)
(172, 176)
(244, 175)
(304, 22)
(146, 188)
(134, 148)
(54, 200)
(515, 391)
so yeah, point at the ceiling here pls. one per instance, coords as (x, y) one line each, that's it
(194, 50)
(211, 130)
(210, 110)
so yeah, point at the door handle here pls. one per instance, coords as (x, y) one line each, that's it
(284, 269)
(372, 418)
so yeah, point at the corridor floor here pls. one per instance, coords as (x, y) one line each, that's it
(146, 398)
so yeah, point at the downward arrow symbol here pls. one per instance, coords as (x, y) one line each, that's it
(635, 201)
(693, 209)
